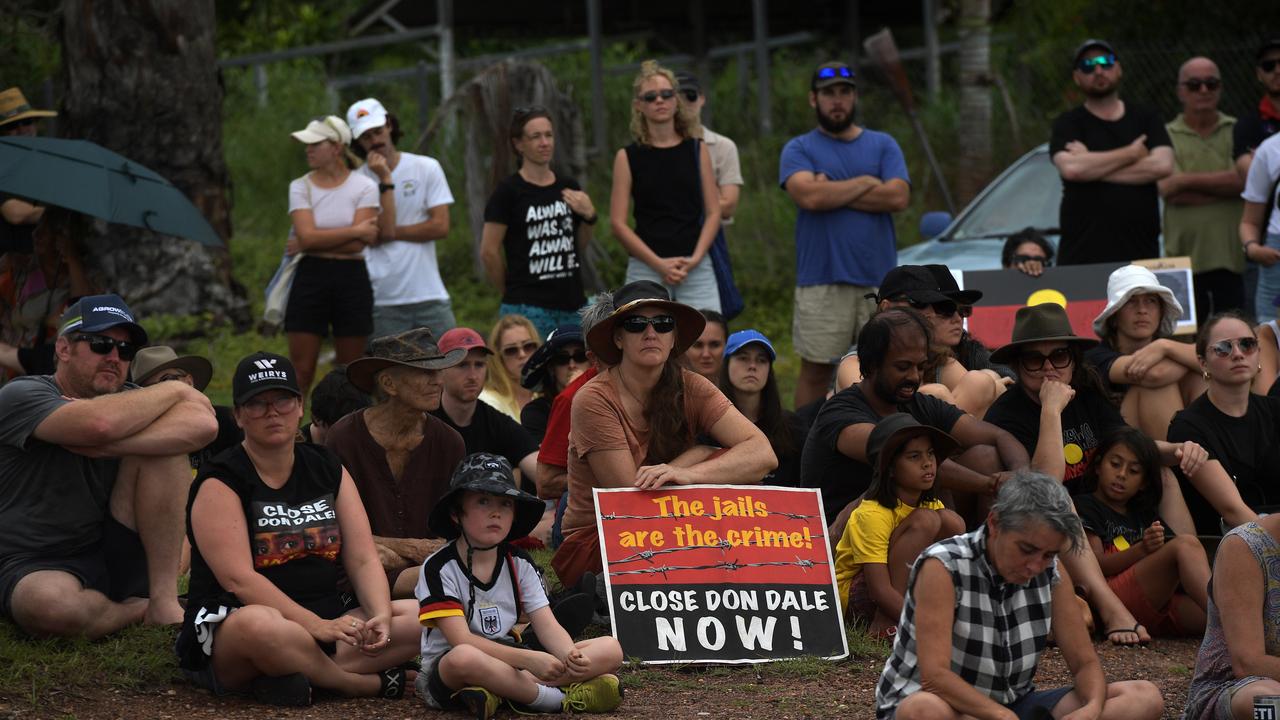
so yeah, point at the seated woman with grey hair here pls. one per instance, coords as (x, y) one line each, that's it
(977, 615)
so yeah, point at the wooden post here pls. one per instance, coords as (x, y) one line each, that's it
(448, 81)
(260, 82)
(760, 14)
(599, 136)
(932, 60)
(424, 95)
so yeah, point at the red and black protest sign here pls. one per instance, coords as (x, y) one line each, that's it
(719, 573)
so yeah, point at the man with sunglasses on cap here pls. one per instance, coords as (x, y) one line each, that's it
(846, 181)
(407, 290)
(1110, 154)
(95, 482)
(1202, 197)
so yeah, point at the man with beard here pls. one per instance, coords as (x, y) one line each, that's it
(894, 347)
(1110, 155)
(95, 476)
(846, 182)
(407, 290)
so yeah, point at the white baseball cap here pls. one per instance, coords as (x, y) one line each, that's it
(365, 115)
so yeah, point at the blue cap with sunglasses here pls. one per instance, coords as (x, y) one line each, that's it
(534, 372)
(1092, 44)
(743, 338)
(95, 313)
(832, 73)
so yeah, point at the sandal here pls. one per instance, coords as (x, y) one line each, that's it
(392, 682)
(292, 690)
(1141, 643)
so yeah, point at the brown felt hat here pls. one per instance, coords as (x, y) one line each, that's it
(415, 348)
(1039, 323)
(644, 293)
(15, 108)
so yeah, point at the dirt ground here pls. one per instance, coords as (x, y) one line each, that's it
(845, 690)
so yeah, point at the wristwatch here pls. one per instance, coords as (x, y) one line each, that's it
(590, 220)
(383, 187)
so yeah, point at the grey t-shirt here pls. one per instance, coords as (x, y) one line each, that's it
(52, 501)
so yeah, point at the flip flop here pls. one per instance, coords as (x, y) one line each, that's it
(1134, 630)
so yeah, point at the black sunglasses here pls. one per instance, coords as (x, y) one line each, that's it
(525, 347)
(941, 309)
(1222, 348)
(1106, 62)
(1059, 358)
(653, 95)
(635, 324)
(689, 94)
(1042, 259)
(1194, 84)
(965, 311)
(579, 356)
(102, 345)
(1268, 65)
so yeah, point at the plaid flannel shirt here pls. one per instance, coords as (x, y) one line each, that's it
(998, 633)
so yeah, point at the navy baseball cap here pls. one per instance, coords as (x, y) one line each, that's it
(260, 372)
(743, 338)
(95, 313)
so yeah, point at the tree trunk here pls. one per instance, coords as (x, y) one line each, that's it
(975, 98)
(141, 78)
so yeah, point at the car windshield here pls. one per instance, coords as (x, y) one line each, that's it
(1027, 197)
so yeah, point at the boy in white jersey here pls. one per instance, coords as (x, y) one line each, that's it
(468, 659)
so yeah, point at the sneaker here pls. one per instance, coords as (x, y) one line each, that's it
(599, 694)
(480, 702)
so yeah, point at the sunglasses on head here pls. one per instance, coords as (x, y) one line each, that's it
(1194, 84)
(523, 348)
(1247, 345)
(578, 356)
(102, 345)
(635, 324)
(653, 95)
(1058, 358)
(257, 407)
(1268, 65)
(1106, 62)
(827, 73)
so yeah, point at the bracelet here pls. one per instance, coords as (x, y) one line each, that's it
(590, 220)
(383, 187)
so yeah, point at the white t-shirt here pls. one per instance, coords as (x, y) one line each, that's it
(724, 161)
(1263, 173)
(407, 272)
(333, 207)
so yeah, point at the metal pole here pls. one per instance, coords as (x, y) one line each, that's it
(760, 13)
(424, 94)
(599, 136)
(444, 17)
(932, 63)
(260, 82)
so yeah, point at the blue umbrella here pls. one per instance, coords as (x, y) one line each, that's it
(90, 179)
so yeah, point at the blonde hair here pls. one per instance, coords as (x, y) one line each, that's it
(685, 120)
(498, 381)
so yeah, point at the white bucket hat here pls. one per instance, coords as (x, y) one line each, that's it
(331, 128)
(1132, 280)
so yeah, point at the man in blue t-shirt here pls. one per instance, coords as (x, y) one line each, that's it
(846, 181)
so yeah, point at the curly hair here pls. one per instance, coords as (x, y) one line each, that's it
(684, 118)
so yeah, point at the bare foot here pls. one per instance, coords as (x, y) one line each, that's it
(162, 612)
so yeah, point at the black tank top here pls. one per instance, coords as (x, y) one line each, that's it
(667, 190)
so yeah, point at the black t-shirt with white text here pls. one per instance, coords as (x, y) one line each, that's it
(540, 245)
(1106, 221)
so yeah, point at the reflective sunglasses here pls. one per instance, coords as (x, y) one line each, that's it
(635, 324)
(653, 95)
(1106, 62)
(524, 348)
(1247, 345)
(1042, 259)
(691, 95)
(102, 345)
(1269, 65)
(1194, 84)
(1059, 358)
(257, 407)
(827, 73)
(579, 356)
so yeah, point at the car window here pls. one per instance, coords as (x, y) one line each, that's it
(1027, 197)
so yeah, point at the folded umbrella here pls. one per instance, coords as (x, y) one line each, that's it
(85, 177)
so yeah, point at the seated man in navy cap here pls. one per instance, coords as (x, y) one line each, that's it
(95, 482)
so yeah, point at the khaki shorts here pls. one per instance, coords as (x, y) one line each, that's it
(827, 320)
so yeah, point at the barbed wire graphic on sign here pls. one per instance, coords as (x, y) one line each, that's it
(682, 516)
(731, 565)
(722, 546)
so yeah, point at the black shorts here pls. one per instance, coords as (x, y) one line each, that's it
(330, 292)
(116, 567)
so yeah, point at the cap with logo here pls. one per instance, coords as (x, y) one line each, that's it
(260, 372)
(95, 313)
(364, 115)
(465, 338)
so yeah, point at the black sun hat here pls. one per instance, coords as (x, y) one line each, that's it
(644, 293)
(1046, 322)
(485, 473)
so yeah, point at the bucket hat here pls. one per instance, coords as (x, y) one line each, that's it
(151, 361)
(644, 293)
(485, 473)
(1132, 280)
(412, 348)
(1038, 323)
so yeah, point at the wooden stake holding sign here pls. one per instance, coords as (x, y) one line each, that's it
(719, 573)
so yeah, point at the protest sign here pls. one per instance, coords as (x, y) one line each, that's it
(719, 573)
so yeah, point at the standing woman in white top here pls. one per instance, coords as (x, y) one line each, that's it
(335, 216)
(1261, 240)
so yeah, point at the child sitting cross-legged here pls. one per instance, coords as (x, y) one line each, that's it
(897, 519)
(472, 591)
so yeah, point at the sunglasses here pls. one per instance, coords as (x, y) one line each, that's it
(1247, 345)
(689, 95)
(102, 345)
(662, 324)
(1042, 259)
(524, 110)
(525, 348)
(1194, 84)
(827, 73)
(1106, 62)
(1059, 358)
(1269, 65)
(257, 407)
(653, 95)
(964, 311)
(941, 309)
(579, 357)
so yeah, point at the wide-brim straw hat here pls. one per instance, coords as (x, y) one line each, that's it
(632, 296)
(415, 348)
(15, 108)
(893, 430)
(1046, 322)
(151, 361)
(485, 473)
(1132, 280)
